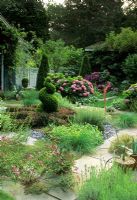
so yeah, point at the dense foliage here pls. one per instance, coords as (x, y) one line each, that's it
(62, 58)
(88, 17)
(25, 82)
(28, 163)
(48, 98)
(115, 58)
(99, 184)
(5, 196)
(42, 73)
(80, 138)
(93, 116)
(8, 44)
(26, 15)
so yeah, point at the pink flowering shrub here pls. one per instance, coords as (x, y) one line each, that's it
(72, 87)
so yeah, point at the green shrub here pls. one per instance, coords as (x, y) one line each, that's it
(49, 101)
(50, 88)
(30, 97)
(125, 120)
(133, 106)
(123, 41)
(80, 138)
(42, 73)
(120, 104)
(5, 196)
(108, 184)
(130, 67)
(6, 123)
(123, 140)
(92, 116)
(131, 93)
(54, 77)
(10, 95)
(25, 82)
(2, 96)
(63, 102)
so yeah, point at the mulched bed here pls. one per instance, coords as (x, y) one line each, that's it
(30, 116)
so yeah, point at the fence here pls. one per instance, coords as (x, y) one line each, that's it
(30, 73)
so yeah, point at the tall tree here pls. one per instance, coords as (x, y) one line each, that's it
(131, 14)
(28, 15)
(83, 22)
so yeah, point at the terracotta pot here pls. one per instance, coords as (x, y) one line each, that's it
(128, 163)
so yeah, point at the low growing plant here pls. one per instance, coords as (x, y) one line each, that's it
(79, 138)
(28, 164)
(125, 120)
(108, 184)
(63, 101)
(120, 104)
(6, 122)
(5, 196)
(30, 97)
(93, 116)
(123, 140)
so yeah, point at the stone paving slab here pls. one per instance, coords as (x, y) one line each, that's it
(101, 155)
(17, 191)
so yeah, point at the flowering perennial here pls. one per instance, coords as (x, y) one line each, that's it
(81, 88)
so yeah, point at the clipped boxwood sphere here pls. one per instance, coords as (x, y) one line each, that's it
(50, 103)
(42, 94)
(47, 79)
(50, 88)
(25, 82)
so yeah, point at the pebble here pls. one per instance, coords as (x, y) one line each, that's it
(37, 134)
(109, 131)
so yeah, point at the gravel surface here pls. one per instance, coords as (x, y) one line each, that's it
(37, 134)
(109, 131)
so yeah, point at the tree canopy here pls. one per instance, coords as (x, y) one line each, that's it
(27, 15)
(83, 22)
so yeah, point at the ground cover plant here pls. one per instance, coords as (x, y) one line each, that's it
(28, 164)
(6, 122)
(131, 96)
(29, 97)
(5, 196)
(108, 184)
(93, 116)
(77, 137)
(63, 102)
(125, 120)
(120, 104)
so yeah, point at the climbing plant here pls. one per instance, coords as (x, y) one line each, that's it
(8, 42)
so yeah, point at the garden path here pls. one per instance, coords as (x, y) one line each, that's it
(99, 158)
(81, 170)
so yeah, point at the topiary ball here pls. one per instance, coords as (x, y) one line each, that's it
(50, 88)
(25, 82)
(42, 94)
(50, 104)
(49, 101)
(47, 79)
